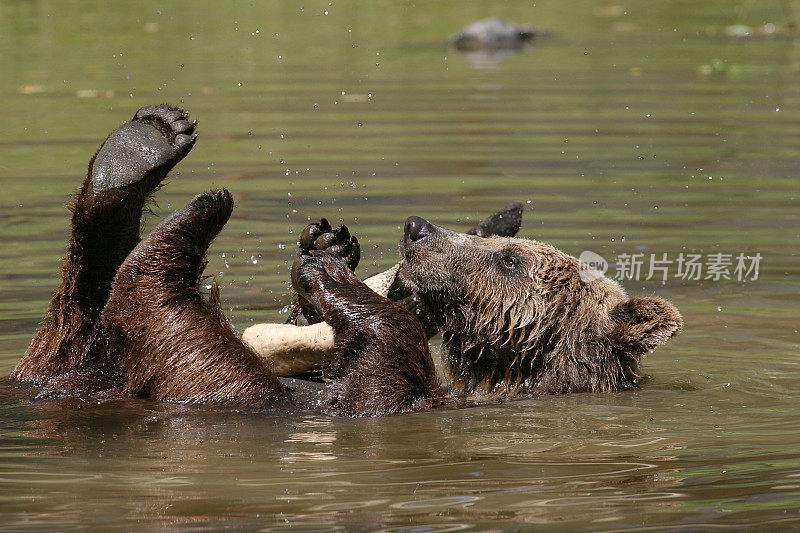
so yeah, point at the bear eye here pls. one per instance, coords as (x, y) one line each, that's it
(509, 262)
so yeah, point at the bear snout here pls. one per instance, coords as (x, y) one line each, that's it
(417, 228)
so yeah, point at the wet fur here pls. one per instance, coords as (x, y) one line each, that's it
(104, 229)
(169, 341)
(130, 320)
(382, 363)
(538, 328)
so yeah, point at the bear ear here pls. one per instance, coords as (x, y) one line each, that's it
(504, 223)
(639, 325)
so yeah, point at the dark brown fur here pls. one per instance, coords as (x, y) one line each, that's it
(382, 363)
(105, 227)
(168, 340)
(70, 336)
(133, 322)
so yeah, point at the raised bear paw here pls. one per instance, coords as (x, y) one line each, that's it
(318, 271)
(197, 224)
(206, 214)
(321, 236)
(143, 150)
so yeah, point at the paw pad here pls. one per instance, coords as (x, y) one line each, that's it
(172, 122)
(339, 242)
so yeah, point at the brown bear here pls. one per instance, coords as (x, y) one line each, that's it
(321, 236)
(521, 317)
(130, 320)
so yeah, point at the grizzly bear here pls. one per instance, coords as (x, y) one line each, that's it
(518, 317)
(130, 319)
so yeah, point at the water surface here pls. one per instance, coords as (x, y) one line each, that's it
(634, 128)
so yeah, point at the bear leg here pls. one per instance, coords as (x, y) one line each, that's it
(322, 236)
(171, 343)
(381, 364)
(106, 216)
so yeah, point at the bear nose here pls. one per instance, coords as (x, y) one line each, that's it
(417, 228)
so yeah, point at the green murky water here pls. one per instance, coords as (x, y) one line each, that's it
(636, 127)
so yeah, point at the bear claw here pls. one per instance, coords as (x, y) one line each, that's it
(339, 242)
(170, 121)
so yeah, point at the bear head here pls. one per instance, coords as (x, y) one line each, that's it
(521, 317)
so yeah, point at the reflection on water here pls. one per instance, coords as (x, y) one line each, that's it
(630, 129)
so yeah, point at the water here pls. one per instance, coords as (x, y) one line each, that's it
(634, 128)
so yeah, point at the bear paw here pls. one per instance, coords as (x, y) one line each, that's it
(200, 221)
(339, 242)
(143, 150)
(318, 271)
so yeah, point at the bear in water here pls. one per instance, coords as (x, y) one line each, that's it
(521, 317)
(129, 318)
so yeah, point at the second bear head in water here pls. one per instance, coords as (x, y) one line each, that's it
(518, 315)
